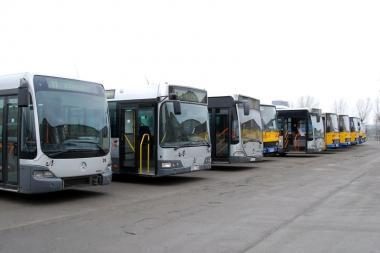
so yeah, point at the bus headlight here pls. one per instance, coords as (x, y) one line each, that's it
(170, 164)
(40, 174)
(166, 165)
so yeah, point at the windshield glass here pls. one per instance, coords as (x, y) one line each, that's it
(251, 127)
(190, 128)
(356, 124)
(333, 119)
(344, 124)
(317, 126)
(353, 125)
(268, 115)
(72, 117)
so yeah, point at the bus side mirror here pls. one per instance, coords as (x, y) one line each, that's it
(23, 93)
(173, 96)
(246, 108)
(177, 107)
(318, 119)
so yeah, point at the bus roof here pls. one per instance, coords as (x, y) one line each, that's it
(325, 113)
(151, 91)
(235, 97)
(296, 109)
(267, 105)
(12, 81)
(228, 100)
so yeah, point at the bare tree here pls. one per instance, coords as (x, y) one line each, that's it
(307, 101)
(364, 107)
(340, 106)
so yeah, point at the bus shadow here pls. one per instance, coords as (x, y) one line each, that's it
(341, 150)
(158, 181)
(328, 152)
(49, 198)
(233, 167)
(299, 156)
(267, 159)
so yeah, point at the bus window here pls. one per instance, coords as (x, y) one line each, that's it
(316, 128)
(28, 146)
(235, 128)
(112, 115)
(328, 123)
(221, 130)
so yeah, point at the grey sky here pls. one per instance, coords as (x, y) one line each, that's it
(265, 49)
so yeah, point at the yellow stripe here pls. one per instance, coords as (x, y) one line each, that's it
(271, 136)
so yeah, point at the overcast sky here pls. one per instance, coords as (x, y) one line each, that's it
(265, 49)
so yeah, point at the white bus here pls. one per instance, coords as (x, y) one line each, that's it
(301, 131)
(159, 130)
(236, 129)
(54, 134)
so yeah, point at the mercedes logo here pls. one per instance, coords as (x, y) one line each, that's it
(83, 166)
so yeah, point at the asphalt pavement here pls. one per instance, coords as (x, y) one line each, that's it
(328, 202)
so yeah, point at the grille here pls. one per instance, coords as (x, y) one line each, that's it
(77, 181)
(270, 144)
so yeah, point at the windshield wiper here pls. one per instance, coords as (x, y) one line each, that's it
(206, 143)
(254, 140)
(76, 142)
(193, 144)
(184, 145)
(54, 154)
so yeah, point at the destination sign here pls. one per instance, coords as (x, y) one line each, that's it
(189, 94)
(55, 83)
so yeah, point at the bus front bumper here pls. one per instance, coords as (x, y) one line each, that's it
(332, 146)
(270, 150)
(30, 183)
(344, 144)
(182, 170)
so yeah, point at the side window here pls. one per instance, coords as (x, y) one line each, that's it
(309, 127)
(113, 119)
(28, 146)
(328, 124)
(235, 127)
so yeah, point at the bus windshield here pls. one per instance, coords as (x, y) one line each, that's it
(72, 117)
(355, 125)
(317, 126)
(344, 124)
(333, 119)
(268, 115)
(251, 127)
(189, 128)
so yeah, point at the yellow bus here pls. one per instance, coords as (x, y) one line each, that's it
(354, 129)
(362, 132)
(270, 129)
(344, 131)
(330, 122)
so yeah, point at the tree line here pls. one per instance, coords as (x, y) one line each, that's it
(364, 106)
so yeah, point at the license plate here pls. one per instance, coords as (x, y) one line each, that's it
(270, 149)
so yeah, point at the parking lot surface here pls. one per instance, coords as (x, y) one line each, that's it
(305, 203)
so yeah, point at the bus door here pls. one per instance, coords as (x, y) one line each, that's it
(9, 162)
(137, 150)
(220, 131)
